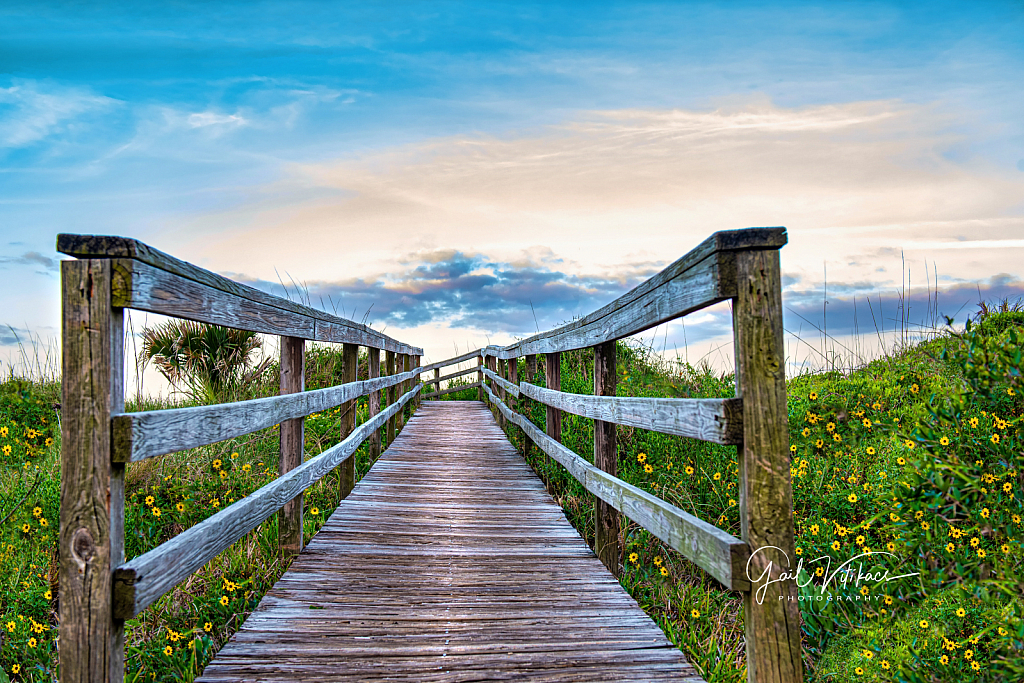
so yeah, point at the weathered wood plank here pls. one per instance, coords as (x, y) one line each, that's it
(531, 376)
(293, 439)
(329, 328)
(480, 378)
(502, 382)
(720, 554)
(143, 287)
(451, 390)
(392, 396)
(417, 368)
(452, 361)
(706, 283)
(373, 363)
(349, 374)
(91, 486)
(142, 435)
(512, 375)
(606, 459)
(413, 579)
(552, 415)
(441, 378)
(704, 276)
(140, 582)
(772, 620)
(718, 420)
(400, 361)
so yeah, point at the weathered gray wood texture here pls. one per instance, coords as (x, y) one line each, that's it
(606, 459)
(293, 439)
(452, 390)
(154, 432)
(772, 628)
(718, 420)
(720, 554)
(452, 361)
(441, 378)
(349, 374)
(702, 277)
(480, 378)
(392, 396)
(373, 372)
(135, 256)
(91, 486)
(140, 582)
(448, 562)
(507, 386)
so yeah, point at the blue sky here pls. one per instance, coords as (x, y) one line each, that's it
(557, 151)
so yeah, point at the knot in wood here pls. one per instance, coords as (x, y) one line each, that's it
(83, 548)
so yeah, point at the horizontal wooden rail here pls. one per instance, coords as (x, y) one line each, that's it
(453, 361)
(140, 582)
(699, 279)
(451, 390)
(140, 287)
(718, 420)
(502, 382)
(137, 436)
(720, 554)
(453, 375)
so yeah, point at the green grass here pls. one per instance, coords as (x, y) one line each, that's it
(856, 485)
(854, 441)
(178, 635)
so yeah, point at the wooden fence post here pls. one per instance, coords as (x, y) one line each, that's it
(406, 411)
(349, 373)
(531, 374)
(771, 625)
(480, 378)
(91, 487)
(389, 360)
(373, 363)
(606, 518)
(553, 423)
(437, 376)
(401, 362)
(419, 396)
(293, 380)
(512, 375)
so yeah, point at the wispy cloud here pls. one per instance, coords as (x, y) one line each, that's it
(31, 258)
(630, 185)
(31, 110)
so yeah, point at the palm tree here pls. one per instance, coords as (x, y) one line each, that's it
(209, 362)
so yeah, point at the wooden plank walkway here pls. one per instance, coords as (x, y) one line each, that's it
(449, 562)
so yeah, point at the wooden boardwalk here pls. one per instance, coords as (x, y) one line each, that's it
(449, 562)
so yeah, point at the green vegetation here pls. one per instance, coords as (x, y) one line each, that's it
(913, 461)
(178, 635)
(911, 464)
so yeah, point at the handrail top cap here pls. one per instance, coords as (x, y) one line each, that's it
(746, 238)
(113, 246)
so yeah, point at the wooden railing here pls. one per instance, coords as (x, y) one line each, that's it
(98, 589)
(741, 266)
(438, 378)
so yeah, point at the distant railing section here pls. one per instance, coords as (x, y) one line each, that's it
(98, 589)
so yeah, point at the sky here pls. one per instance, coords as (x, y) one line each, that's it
(458, 174)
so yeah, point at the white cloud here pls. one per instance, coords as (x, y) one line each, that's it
(209, 118)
